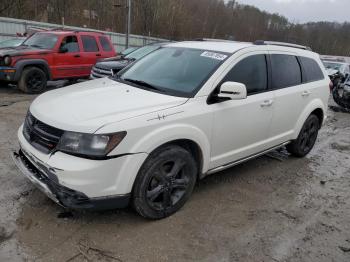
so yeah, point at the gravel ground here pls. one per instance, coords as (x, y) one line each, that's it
(273, 208)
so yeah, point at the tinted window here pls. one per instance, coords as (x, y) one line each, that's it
(252, 72)
(105, 43)
(312, 70)
(70, 43)
(89, 43)
(285, 71)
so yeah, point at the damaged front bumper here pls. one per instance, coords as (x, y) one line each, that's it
(47, 182)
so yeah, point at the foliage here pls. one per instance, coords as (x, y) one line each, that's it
(186, 19)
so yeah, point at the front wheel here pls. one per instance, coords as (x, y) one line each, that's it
(165, 182)
(33, 80)
(306, 139)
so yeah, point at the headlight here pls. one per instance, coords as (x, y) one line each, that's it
(7, 60)
(90, 145)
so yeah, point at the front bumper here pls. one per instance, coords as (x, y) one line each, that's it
(45, 180)
(94, 178)
(7, 73)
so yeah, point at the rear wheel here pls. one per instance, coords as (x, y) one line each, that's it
(33, 80)
(306, 139)
(165, 182)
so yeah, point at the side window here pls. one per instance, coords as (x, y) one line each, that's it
(105, 43)
(251, 71)
(312, 71)
(286, 71)
(89, 43)
(70, 43)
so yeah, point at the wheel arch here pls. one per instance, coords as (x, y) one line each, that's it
(192, 147)
(40, 63)
(187, 136)
(314, 107)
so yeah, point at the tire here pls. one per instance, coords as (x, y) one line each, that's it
(306, 139)
(33, 80)
(165, 182)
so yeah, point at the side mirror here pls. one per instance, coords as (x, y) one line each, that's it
(233, 91)
(63, 50)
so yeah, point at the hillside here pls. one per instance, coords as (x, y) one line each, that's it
(186, 19)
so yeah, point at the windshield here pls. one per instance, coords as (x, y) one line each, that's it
(41, 40)
(141, 52)
(177, 71)
(331, 65)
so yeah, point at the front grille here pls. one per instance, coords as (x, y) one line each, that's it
(100, 72)
(40, 135)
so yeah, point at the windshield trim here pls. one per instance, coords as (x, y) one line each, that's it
(167, 91)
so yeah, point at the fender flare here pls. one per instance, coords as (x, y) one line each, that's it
(174, 132)
(312, 106)
(32, 62)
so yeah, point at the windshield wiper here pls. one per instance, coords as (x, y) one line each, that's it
(141, 83)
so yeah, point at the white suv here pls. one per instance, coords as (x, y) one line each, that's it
(182, 112)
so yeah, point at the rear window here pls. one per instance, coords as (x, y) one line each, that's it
(89, 43)
(105, 43)
(312, 71)
(286, 71)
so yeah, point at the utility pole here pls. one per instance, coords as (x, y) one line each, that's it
(127, 22)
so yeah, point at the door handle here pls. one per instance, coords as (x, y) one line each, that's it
(266, 103)
(306, 93)
(98, 54)
(76, 55)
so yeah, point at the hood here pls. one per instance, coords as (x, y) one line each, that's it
(22, 51)
(87, 106)
(114, 64)
(331, 71)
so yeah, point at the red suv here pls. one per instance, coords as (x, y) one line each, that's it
(53, 55)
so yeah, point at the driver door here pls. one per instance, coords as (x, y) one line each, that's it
(68, 61)
(241, 127)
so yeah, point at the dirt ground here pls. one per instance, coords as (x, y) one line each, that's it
(273, 208)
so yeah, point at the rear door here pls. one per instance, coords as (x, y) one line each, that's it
(90, 53)
(291, 94)
(67, 61)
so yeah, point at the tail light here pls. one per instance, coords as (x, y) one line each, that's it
(331, 85)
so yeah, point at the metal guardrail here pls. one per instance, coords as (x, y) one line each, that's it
(9, 27)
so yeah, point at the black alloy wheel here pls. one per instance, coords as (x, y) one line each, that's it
(165, 182)
(306, 139)
(167, 185)
(33, 80)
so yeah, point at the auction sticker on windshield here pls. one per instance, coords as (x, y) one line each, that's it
(214, 55)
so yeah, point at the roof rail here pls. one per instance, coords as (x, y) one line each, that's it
(262, 42)
(212, 40)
